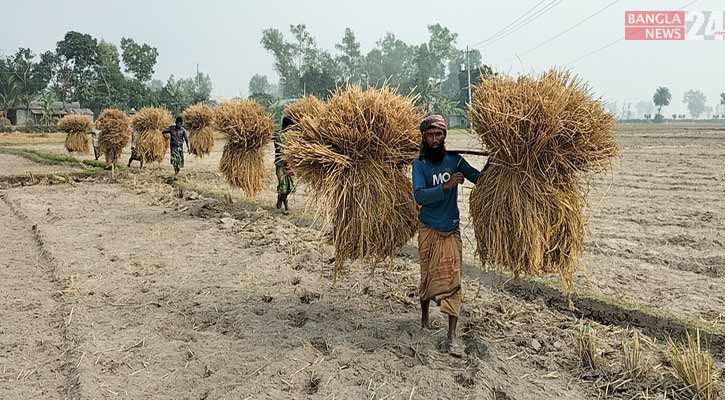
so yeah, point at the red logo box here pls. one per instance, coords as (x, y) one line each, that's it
(654, 18)
(654, 33)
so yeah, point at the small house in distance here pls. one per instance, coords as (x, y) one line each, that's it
(21, 115)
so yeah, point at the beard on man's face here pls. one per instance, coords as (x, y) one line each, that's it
(434, 154)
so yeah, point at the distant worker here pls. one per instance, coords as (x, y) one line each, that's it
(94, 142)
(285, 184)
(135, 156)
(436, 176)
(178, 137)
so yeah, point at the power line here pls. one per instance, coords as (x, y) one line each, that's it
(523, 24)
(569, 29)
(606, 46)
(509, 25)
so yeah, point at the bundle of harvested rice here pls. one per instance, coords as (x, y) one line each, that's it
(77, 128)
(373, 213)
(544, 136)
(115, 133)
(354, 153)
(198, 119)
(248, 128)
(149, 122)
(308, 105)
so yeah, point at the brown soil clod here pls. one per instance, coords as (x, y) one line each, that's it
(309, 297)
(298, 319)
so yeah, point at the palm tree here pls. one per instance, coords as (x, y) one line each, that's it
(8, 91)
(662, 98)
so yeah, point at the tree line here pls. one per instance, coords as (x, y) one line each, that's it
(97, 74)
(695, 100)
(432, 71)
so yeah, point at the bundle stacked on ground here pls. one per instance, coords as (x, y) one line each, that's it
(248, 128)
(77, 128)
(545, 136)
(115, 133)
(354, 153)
(198, 120)
(149, 122)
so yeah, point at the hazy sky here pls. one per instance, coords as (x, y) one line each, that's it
(223, 37)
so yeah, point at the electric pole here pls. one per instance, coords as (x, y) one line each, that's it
(468, 72)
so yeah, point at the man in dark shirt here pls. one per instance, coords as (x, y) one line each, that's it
(178, 136)
(135, 156)
(285, 184)
(436, 176)
(94, 141)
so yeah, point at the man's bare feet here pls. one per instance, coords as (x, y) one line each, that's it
(454, 348)
(426, 324)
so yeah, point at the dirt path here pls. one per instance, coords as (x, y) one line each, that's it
(32, 349)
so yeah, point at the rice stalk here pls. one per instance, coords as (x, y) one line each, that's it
(633, 364)
(199, 119)
(152, 146)
(78, 142)
(151, 118)
(528, 227)
(587, 346)
(77, 128)
(243, 169)
(201, 142)
(115, 133)
(694, 367)
(75, 124)
(353, 152)
(306, 106)
(149, 122)
(545, 136)
(248, 128)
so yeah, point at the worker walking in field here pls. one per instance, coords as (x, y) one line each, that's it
(285, 184)
(178, 137)
(135, 156)
(436, 176)
(94, 142)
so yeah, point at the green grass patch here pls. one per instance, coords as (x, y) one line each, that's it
(42, 157)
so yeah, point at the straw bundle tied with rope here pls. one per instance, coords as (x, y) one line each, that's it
(248, 128)
(115, 133)
(354, 153)
(149, 122)
(77, 128)
(199, 119)
(545, 136)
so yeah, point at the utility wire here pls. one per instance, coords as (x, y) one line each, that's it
(558, 35)
(500, 31)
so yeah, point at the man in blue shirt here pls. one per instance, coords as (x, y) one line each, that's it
(436, 176)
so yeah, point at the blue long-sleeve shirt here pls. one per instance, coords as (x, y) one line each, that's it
(439, 208)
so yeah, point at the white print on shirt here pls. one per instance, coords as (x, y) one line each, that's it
(441, 178)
